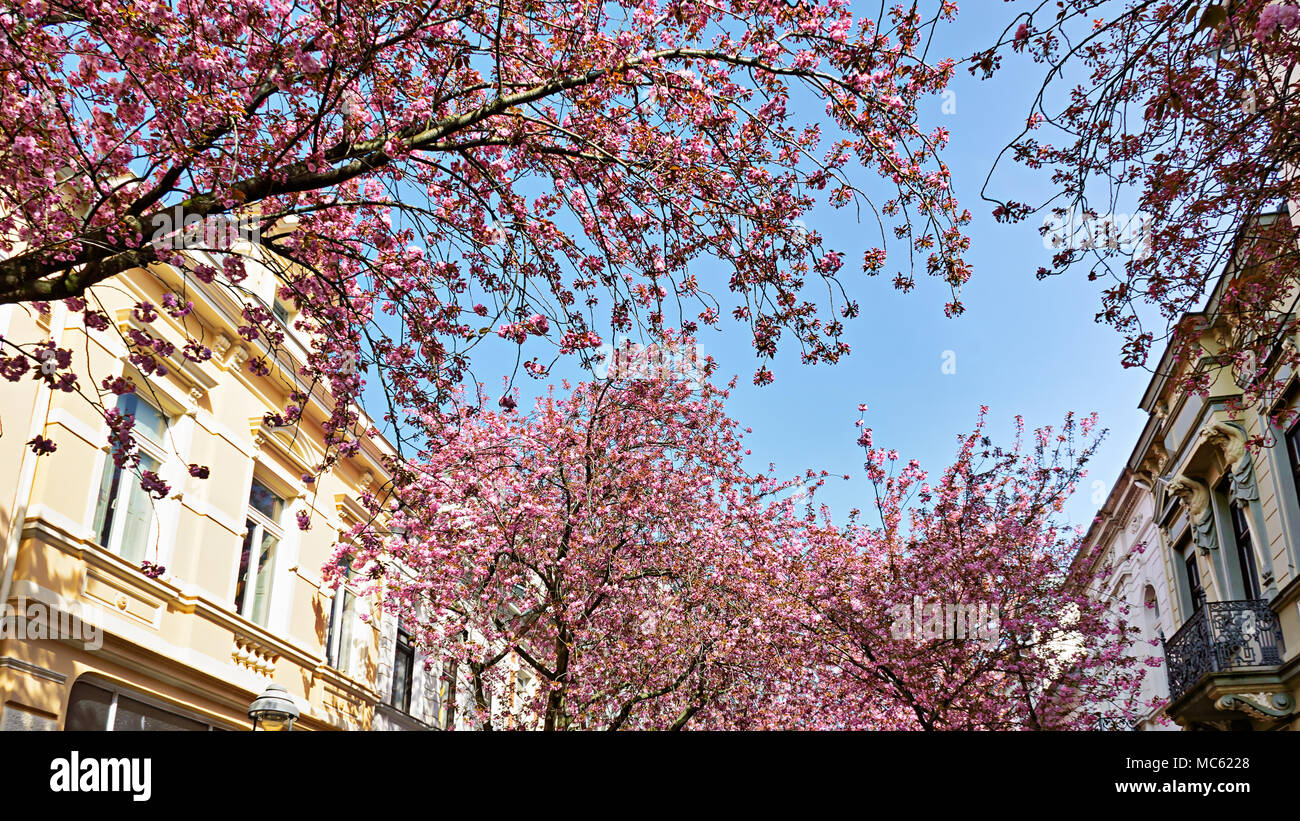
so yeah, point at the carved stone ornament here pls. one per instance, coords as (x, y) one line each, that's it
(238, 356)
(220, 347)
(1264, 706)
(1195, 495)
(1153, 462)
(1230, 440)
(1225, 332)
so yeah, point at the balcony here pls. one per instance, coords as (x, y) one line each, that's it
(1110, 724)
(1222, 637)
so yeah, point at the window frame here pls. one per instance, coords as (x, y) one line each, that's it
(126, 481)
(402, 647)
(117, 690)
(1192, 576)
(520, 684)
(336, 655)
(1151, 608)
(257, 525)
(1244, 543)
(1292, 438)
(448, 692)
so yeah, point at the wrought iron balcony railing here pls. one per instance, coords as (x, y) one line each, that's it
(1222, 636)
(1110, 724)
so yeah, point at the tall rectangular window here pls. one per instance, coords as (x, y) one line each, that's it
(1193, 578)
(124, 520)
(257, 559)
(1293, 454)
(403, 667)
(343, 613)
(1245, 551)
(447, 692)
(520, 691)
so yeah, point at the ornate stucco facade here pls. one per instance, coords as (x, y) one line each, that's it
(1216, 526)
(240, 603)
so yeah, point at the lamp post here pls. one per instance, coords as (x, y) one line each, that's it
(273, 710)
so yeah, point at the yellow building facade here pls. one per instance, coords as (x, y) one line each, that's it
(240, 603)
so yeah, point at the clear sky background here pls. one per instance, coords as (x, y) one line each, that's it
(1022, 347)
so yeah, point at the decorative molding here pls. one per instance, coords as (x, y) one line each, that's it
(189, 599)
(212, 426)
(343, 684)
(313, 581)
(116, 592)
(238, 356)
(31, 669)
(220, 348)
(209, 511)
(92, 435)
(191, 374)
(194, 396)
(263, 435)
(349, 508)
(42, 514)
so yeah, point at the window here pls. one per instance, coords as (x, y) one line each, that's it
(1151, 610)
(1293, 453)
(1193, 577)
(342, 627)
(403, 666)
(257, 559)
(521, 688)
(281, 312)
(94, 707)
(124, 520)
(1182, 426)
(1245, 551)
(447, 692)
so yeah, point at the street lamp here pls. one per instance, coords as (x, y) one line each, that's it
(273, 710)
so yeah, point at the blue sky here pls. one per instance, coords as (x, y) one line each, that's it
(1022, 347)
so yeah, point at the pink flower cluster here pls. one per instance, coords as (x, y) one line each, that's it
(1275, 17)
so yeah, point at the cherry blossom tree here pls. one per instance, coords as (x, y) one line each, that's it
(1180, 113)
(611, 546)
(607, 546)
(425, 176)
(957, 609)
